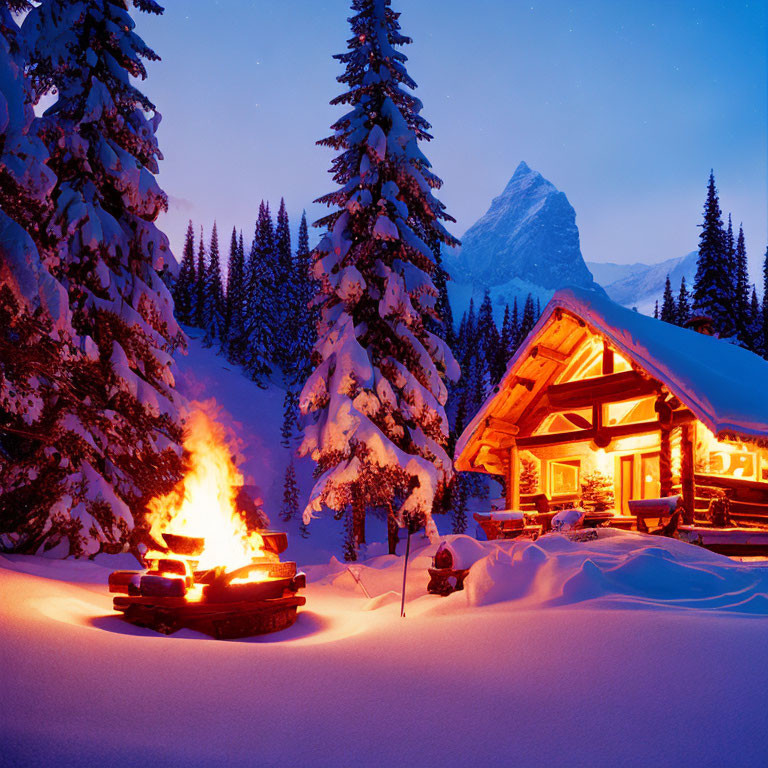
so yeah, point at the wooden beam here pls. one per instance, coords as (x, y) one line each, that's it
(501, 425)
(549, 354)
(613, 387)
(607, 360)
(529, 384)
(687, 478)
(665, 462)
(603, 436)
(513, 483)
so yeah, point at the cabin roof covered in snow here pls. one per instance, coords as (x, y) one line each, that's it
(725, 386)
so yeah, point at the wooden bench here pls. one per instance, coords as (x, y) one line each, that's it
(666, 512)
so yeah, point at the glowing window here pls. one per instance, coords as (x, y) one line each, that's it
(556, 423)
(727, 459)
(650, 477)
(630, 412)
(732, 462)
(563, 477)
(589, 363)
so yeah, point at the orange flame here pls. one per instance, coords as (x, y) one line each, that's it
(203, 503)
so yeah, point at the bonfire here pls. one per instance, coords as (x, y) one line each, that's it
(206, 569)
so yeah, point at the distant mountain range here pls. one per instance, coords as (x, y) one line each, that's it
(527, 242)
(640, 285)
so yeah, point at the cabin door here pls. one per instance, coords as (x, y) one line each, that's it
(639, 478)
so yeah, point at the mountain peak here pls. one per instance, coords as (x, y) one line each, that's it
(528, 235)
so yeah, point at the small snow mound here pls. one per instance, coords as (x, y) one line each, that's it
(387, 598)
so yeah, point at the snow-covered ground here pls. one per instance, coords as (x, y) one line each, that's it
(628, 650)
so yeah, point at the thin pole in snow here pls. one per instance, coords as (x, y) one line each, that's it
(405, 569)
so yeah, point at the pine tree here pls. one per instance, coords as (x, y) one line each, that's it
(260, 300)
(37, 353)
(289, 509)
(765, 305)
(306, 313)
(755, 328)
(214, 293)
(290, 426)
(668, 307)
(528, 319)
(656, 310)
(237, 296)
(285, 327)
(683, 304)
(506, 342)
(488, 336)
(104, 152)
(183, 295)
(741, 293)
(377, 395)
(730, 253)
(201, 284)
(444, 327)
(712, 288)
(459, 504)
(516, 339)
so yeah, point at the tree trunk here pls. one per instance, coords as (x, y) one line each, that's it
(358, 520)
(392, 536)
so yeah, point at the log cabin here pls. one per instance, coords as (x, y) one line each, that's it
(602, 402)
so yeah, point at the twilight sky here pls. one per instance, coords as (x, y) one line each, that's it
(623, 106)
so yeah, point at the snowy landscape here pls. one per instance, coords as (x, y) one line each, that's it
(336, 484)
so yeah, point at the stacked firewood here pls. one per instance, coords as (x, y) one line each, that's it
(172, 592)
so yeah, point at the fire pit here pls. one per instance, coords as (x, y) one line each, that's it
(212, 565)
(174, 592)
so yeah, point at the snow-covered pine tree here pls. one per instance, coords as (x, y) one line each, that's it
(228, 287)
(443, 328)
(289, 509)
(201, 283)
(183, 294)
(123, 445)
(730, 252)
(756, 341)
(516, 339)
(683, 303)
(488, 336)
(712, 287)
(668, 307)
(236, 298)
(289, 428)
(765, 305)
(35, 335)
(286, 297)
(528, 320)
(260, 300)
(378, 393)
(214, 293)
(506, 342)
(741, 292)
(306, 312)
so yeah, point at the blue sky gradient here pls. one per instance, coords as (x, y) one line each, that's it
(623, 106)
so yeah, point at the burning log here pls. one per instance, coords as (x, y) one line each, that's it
(125, 582)
(184, 545)
(152, 585)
